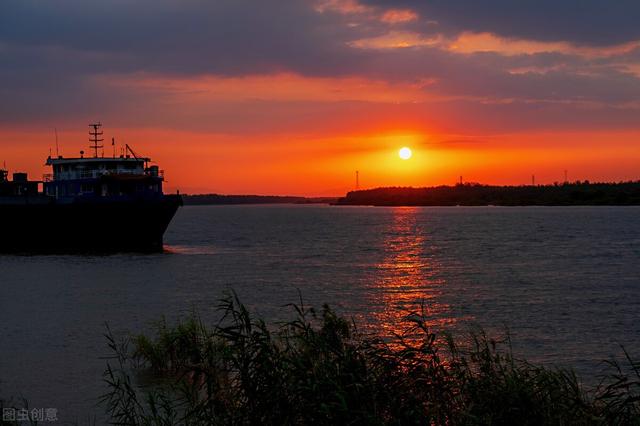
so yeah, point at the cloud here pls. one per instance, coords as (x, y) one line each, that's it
(269, 65)
(191, 36)
(468, 42)
(396, 16)
(582, 22)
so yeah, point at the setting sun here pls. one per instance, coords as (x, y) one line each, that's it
(405, 153)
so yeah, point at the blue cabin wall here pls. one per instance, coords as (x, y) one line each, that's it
(97, 188)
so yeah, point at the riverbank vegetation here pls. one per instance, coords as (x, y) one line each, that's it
(319, 369)
(473, 194)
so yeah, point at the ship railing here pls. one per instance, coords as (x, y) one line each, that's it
(89, 174)
(126, 172)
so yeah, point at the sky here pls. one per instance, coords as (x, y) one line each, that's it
(293, 96)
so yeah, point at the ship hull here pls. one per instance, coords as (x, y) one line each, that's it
(89, 226)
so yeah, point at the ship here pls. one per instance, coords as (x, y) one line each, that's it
(87, 204)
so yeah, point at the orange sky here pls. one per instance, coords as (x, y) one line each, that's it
(307, 94)
(325, 165)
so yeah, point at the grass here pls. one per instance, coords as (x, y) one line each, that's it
(319, 369)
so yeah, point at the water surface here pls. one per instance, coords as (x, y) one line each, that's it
(564, 280)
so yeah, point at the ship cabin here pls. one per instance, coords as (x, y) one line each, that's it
(19, 186)
(123, 176)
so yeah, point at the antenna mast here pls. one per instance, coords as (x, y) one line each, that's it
(57, 150)
(95, 139)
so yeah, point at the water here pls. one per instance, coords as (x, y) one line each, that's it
(565, 281)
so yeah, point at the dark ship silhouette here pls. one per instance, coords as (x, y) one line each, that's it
(95, 204)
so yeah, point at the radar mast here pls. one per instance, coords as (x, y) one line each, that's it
(95, 138)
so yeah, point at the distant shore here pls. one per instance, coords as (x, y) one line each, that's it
(219, 199)
(469, 194)
(566, 194)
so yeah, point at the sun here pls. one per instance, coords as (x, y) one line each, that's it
(405, 153)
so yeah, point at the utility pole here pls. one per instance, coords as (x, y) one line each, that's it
(357, 180)
(566, 180)
(533, 180)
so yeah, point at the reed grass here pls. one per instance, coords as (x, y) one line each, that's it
(319, 369)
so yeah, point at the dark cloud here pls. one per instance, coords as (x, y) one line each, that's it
(584, 22)
(190, 36)
(51, 51)
(54, 53)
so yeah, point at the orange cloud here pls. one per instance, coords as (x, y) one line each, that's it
(341, 6)
(275, 87)
(469, 42)
(398, 39)
(397, 16)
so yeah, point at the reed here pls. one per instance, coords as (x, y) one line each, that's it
(319, 369)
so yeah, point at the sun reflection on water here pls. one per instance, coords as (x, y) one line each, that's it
(407, 278)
